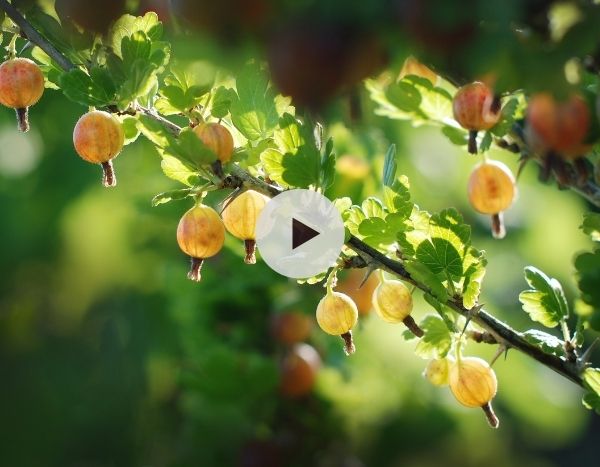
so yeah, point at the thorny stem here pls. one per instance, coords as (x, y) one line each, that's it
(501, 332)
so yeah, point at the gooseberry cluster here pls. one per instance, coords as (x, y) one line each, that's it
(337, 313)
(472, 382)
(201, 231)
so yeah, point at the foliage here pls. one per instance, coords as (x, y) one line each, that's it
(130, 71)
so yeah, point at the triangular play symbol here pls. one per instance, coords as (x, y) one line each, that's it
(301, 233)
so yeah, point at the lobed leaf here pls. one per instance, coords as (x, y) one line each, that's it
(545, 302)
(437, 338)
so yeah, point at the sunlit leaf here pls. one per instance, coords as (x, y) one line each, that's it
(545, 302)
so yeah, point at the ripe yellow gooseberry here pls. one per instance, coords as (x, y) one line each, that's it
(21, 86)
(98, 138)
(437, 371)
(336, 315)
(393, 303)
(476, 108)
(491, 190)
(240, 217)
(217, 138)
(200, 235)
(473, 383)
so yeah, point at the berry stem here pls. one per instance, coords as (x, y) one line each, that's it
(412, 326)
(250, 246)
(490, 415)
(498, 229)
(349, 347)
(472, 147)
(23, 119)
(108, 174)
(195, 269)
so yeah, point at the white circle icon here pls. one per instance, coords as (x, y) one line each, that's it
(300, 233)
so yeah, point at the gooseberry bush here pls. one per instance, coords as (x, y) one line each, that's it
(243, 139)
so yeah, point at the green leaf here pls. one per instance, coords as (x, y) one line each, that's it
(190, 149)
(545, 302)
(591, 225)
(397, 197)
(442, 310)
(289, 136)
(591, 401)
(221, 101)
(297, 163)
(141, 79)
(508, 118)
(486, 142)
(436, 340)
(136, 46)
(413, 98)
(168, 196)
(128, 25)
(253, 109)
(155, 131)
(96, 89)
(342, 204)
(422, 274)
(51, 71)
(300, 170)
(390, 166)
(588, 278)
(546, 342)
(591, 378)
(178, 171)
(440, 256)
(130, 129)
(474, 274)
(457, 136)
(328, 161)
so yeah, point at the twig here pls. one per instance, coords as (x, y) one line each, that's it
(503, 334)
(35, 37)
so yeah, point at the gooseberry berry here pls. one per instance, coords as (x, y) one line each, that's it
(217, 138)
(200, 235)
(393, 303)
(360, 292)
(240, 217)
(473, 383)
(491, 190)
(476, 108)
(558, 127)
(21, 86)
(336, 315)
(98, 138)
(437, 371)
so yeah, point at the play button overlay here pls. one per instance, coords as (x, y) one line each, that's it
(300, 234)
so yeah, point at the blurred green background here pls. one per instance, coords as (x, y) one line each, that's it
(109, 356)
